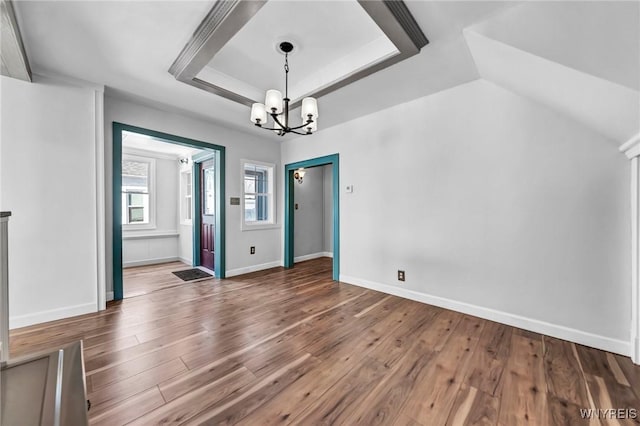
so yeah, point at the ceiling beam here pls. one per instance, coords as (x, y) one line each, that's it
(222, 22)
(12, 53)
(227, 17)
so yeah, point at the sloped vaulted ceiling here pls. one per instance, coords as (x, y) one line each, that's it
(581, 59)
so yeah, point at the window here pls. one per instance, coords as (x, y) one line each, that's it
(186, 209)
(209, 191)
(137, 192)
(257, 199)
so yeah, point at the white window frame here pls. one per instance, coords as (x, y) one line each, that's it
(152, 193)
(272, 222)
(183, 196)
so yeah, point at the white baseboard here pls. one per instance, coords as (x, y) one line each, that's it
(635, 352)
(185, 260)
(621, 347)
(239, 271)
(109, 296)
(150, 261)
(312, 256)
(52, 315)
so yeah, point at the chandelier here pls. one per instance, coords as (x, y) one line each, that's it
(278, 107)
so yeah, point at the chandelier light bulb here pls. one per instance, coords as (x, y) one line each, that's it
(258, 114)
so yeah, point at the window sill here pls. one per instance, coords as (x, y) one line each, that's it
(247, 227)
(142, 227)
(149, 235)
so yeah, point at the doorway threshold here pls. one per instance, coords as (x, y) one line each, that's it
(207, 270)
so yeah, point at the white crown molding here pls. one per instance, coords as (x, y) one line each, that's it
(77, 82)
(631, 148)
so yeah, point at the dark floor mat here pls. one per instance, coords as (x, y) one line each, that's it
(191, 274)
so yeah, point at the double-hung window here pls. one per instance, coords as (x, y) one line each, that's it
(137, 192)
(258, 195)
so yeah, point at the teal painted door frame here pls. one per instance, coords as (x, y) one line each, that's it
(197, 219)
(118, 128)
(289, 203)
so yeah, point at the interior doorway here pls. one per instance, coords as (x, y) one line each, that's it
(207, 214)
(134, 205)
(289, 219)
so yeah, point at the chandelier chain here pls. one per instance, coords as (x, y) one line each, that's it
(286, 75)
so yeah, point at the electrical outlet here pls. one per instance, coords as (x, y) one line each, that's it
(252, 250)
(400, 275)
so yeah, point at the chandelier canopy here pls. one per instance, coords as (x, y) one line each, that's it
(278, 107)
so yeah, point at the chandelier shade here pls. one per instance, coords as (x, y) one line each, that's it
(273, 101)
(309, 108)
(258, 113)
(277, 107)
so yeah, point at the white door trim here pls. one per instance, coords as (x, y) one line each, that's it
(100, 211)
(632, 150)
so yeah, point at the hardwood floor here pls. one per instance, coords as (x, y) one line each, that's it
(141, 280)
(294, 347)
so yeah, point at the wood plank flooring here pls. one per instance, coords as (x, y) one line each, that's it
(141, 280)
(294, 347)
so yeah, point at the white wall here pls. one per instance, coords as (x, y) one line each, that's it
(308, 232)
(493, 205)
(161, 244)
(47, 163)
(313, 225)
(238, 146)
(327, 188)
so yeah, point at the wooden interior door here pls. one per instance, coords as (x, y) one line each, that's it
(207, 213)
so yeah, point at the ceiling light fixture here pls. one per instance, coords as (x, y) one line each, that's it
(278, 107)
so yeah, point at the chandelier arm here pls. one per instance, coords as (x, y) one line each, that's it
(275, 118)
(270, 128)
(301, 126)
(284, 131)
